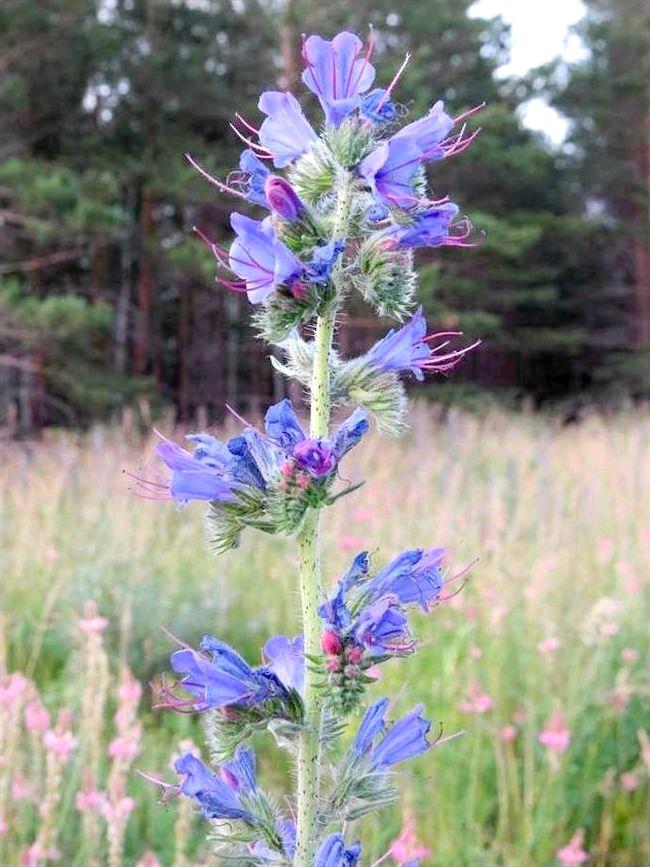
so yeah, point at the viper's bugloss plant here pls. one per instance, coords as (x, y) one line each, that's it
(346, 216)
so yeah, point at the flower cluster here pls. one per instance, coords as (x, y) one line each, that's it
(373, 380)
(217, 679)
(265, 480)
(365, 620)
(284, 263)
(349, 211)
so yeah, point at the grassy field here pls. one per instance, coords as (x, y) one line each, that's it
(549, 638)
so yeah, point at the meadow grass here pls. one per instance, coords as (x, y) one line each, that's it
(559, 519)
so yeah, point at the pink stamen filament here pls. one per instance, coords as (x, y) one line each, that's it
(215, 181)
(396, 78)
(262, 152)
(245, 123)
(469, 112)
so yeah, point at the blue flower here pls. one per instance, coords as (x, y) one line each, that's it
(218, 677)
(428, 133)
(282, 425)
(429, 228)
(254, 178)
(348, 434)
(338, 73)
(285, 133)
(389, 171)
(382, 628)
(372, 723)
(335, 611)
(192, 478)
(333, 853)
(318, 270)
(412, 577)
(408, 349)
(286, 658)
(376, 106)
(404, 740)
(403, 348)
(259, 258)
(218, 797)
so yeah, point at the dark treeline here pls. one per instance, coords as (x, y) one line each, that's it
(107, 298)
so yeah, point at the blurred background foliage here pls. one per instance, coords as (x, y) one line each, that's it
(107, 298)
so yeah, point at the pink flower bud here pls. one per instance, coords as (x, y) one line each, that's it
(298, 290)
(287, 467)
(334, 664)
(331, 643)
(355, 655)
(351, 671)
(282, 198)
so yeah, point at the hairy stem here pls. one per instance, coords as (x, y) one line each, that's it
(310, 574)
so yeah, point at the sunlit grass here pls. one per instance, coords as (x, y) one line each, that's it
(559, 519)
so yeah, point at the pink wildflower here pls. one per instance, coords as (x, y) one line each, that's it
(629, 781)
(12, 688)
(37, 717)
(60, 742)
(478, 701)
(125, 746)
(118, 811)
(556, 737)
(630, 655)
(406, 847)
(548, 645)
(90, 801)
(92, 623)
(572, 855)
(508, 734)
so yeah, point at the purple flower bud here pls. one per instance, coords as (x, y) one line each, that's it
(282, 198)
(315, 456)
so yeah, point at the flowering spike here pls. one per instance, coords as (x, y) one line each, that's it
(353, 207)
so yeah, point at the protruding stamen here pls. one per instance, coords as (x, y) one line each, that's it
(262, 152)
(469, 112)
(215, 181)
(396, 78)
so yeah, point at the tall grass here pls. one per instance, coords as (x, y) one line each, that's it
(549, 635)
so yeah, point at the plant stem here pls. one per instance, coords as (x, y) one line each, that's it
(310, 574)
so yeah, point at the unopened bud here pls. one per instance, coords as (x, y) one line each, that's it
(331, 643)
(355, 654)
(282, 198)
